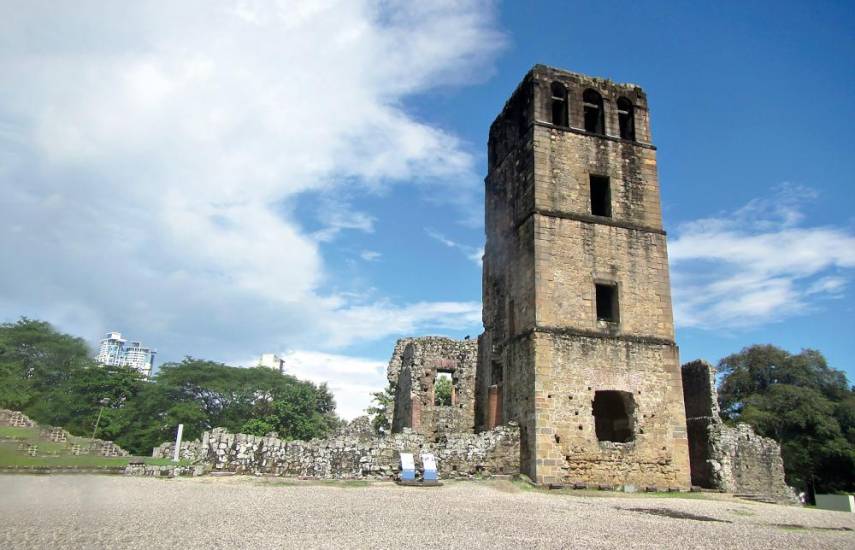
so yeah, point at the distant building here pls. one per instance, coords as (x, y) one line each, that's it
(115, 351)
(272, 361)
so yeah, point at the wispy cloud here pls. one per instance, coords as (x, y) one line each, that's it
(758, 264)
(370, 255)
(473, 253)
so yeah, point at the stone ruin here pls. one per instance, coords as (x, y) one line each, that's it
(415, 367)
(577, 373)
(578, 345)
(733, 459)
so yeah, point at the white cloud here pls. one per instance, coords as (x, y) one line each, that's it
(151, 155)
(351, 379)
(474, 254)
(758, 264)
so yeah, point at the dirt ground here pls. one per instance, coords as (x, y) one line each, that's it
(83, 511)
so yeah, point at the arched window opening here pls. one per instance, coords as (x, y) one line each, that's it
(592, 102)
(559, 104)
(626, 118)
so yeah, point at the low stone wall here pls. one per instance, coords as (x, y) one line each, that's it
(353, 457)
(152, 470)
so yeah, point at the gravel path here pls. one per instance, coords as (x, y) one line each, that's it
(240, 512)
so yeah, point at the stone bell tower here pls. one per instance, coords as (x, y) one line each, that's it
(579, 335)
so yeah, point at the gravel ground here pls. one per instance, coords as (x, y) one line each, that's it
(78, 511)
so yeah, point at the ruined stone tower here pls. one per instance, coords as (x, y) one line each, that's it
(579, 338)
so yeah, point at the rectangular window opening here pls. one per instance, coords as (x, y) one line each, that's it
(607, 302)
(443, 390)
(601, 196)
(614, 416)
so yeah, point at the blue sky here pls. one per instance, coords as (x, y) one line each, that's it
(307, 178)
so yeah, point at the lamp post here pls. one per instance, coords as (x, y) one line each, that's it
(104, 402)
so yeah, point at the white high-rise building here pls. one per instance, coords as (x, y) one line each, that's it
(116, 351)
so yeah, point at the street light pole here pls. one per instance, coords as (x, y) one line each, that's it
(103, 402)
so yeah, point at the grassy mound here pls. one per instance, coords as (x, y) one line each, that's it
(18, 444)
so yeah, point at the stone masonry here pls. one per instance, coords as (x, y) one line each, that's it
(731, 459)
(579, 340)
(353, 454)
(413, 370)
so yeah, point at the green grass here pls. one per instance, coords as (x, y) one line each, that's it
(9, 456)
(19, 433)
(53, 454)
(59, 456)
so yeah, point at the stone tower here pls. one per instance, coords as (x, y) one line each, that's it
(579, 337)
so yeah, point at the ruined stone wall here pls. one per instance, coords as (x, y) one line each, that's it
(545, 252)
(354, 457)
(728, 458)
(413, 370)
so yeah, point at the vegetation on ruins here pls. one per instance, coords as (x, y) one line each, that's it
(52, 378)
(802, 403)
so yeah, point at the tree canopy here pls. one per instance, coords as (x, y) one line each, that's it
(52, 378)
(802, 403)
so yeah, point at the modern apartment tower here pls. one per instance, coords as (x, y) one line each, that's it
(116, 351)
(579, 345)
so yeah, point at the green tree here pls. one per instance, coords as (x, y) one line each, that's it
(258, 426)
(52, 378)
(379, 411)
(35, 359)
(803, 404)
(442, 391)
